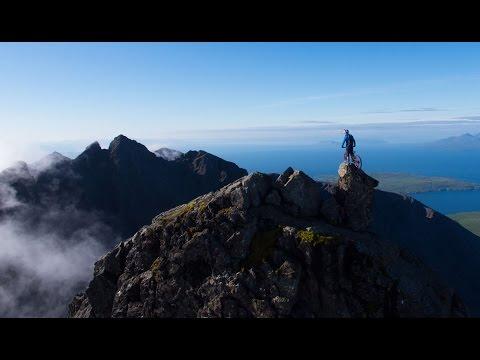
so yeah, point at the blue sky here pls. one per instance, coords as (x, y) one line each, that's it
(194, 93)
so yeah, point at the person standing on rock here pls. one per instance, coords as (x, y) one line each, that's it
(348, 144)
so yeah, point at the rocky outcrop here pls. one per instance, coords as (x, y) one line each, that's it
(301, 193)
(356, 196)
(266, 247)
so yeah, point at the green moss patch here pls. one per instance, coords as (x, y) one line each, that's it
(182, 210)
(315, 239)
(202, 206)
(262, 246)
(225, 212)
(155, 269)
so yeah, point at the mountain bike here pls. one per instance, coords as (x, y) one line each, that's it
(355, 160)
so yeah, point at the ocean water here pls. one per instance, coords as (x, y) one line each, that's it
(315, 161)
(450, 202)
(459, 164)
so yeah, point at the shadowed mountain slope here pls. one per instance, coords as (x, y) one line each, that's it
(447, 247)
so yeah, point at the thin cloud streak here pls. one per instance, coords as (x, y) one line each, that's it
(470, 118)
(370, 91)
(425, 109)
(330, 125)
(314, 122)
(307, 99)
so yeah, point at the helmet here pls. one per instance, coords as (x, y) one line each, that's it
(346, 131)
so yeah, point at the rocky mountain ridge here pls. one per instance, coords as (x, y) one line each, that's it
(126, 184)
(267, 246)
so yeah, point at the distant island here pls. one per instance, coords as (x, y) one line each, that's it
(462, 142)
(409, 184)
(469, 220)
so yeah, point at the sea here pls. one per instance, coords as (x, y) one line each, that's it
(462, 164)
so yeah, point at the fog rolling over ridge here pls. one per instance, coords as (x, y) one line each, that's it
(58, 215)
(40, 270)
(46, 254)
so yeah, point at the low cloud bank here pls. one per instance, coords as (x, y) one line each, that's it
(47, 255)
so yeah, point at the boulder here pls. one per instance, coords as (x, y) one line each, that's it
(301, 192)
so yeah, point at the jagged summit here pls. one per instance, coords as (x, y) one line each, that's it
(121, 138)
(57, 156)
(120, 144)
(51, 160)
(93, 147)
(122, 147)
(121, 141)
(266, 246)
(205, 164)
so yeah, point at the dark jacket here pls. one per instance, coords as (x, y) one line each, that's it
(348, 141)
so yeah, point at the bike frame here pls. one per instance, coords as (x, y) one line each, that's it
(350, 159)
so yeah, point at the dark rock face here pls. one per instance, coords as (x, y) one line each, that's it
(445, 246)
(302, 193)
(265, 247)
(126, 185)
(442, 244)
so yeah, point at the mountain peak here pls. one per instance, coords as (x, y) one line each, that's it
(49, 161)
(121, 137)
(121, 140)
(91, 152)
(93, 147)
(204, 163)
(56, 157)
(122, 147)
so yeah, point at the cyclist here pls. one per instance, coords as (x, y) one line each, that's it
(348, 144)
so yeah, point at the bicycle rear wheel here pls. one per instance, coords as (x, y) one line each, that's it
(357, 161)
